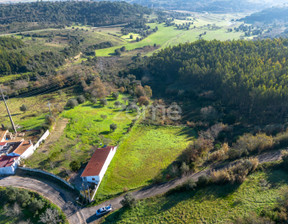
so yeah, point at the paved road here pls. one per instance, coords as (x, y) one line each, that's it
(64, 199)
(55, 194)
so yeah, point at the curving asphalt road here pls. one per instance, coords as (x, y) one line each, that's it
(50, 191)
(75, 215)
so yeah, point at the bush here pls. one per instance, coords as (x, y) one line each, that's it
(128, 201)
(221, 176)
(23, 108)
(191, 184)
(49, 119)
(203, 181)
(117, 104)
(72, 103)
(74, 166)
(103, 102)
(113, 127)
(115, 95)
(94, 100)
(81, 99)
(103, 116)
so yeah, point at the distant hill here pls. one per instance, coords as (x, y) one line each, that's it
(90, 13)
(268, 15)
(221, 6)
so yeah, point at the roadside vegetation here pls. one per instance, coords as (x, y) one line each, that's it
(19, 205)
(260, 198)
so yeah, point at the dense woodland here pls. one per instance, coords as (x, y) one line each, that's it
(249, 77)
(65, 13)
(11, 62)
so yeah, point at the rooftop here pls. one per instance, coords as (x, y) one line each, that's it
(22, 147)
(96, 162)
(9, 147)
(6, 161)
(2, 134)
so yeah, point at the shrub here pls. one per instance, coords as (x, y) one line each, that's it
(103, 116)
(117, 104)
(72, 103)
(23, 108)
(94, 100)
(184, 168)
(115, 95)
(49, 119)
(103, 102)
(220, 177)
(74, 166)
(128, 201)
(113, 127)
(81, 99)
(203, 181)
(191, 184)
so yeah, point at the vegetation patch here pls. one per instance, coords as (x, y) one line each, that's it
(141, 156)
(212, 204)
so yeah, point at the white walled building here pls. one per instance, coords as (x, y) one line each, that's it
(98, 164)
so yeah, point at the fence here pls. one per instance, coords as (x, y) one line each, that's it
(44, 136)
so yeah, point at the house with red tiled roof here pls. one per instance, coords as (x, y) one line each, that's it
(25, 149)
(98, 164)
(8, 164)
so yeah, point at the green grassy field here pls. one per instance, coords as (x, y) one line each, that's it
(213, 204)
(85, 131)
(37, 106)
(146, 148)
(170, 36)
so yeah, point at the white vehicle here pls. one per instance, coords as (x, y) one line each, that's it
(104, 210)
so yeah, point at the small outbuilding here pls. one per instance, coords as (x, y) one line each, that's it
(8, 164)
(98, 164)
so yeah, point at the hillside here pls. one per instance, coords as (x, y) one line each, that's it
(65, 13)
(254, 85)
(270, 16)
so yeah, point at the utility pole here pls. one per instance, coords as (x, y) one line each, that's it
(8, 111)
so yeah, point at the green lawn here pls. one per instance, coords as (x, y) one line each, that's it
(141, 156)
(85, 132)
(214, 204)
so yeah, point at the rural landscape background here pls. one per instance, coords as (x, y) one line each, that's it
(193, 93)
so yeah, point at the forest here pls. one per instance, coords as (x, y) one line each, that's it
(65, 13)
(245, 76)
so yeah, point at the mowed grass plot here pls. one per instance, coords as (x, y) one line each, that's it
(144, 153)
(213, 204)
(86, 131)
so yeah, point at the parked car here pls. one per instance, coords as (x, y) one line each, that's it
(104, 210)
